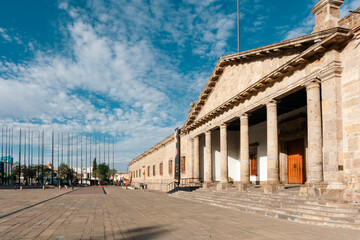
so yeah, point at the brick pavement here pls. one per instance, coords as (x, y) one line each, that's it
(138, 214)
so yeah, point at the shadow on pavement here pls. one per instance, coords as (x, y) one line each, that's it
(151, 232)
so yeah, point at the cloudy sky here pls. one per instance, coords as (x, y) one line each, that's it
(125, 68)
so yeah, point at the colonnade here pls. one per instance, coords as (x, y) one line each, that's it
(314, 162)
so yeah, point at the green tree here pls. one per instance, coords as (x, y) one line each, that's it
(94, 168)
(65, 172)
(103, 172)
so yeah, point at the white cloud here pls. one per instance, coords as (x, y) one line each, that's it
(349, 5)
(112, 76)
(4, 35)
(305, 27)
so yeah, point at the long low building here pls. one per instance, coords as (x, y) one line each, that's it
(286, 113)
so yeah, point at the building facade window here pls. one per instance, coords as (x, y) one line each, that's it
(183, 164)
(170, 167)
(161, 169)
(148, 170)
(139, 172)
(154, 170)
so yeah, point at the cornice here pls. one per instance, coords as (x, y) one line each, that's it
(335, 35)
(159, 145)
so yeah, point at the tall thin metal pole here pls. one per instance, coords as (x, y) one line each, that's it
(12, 155)
(2, 141)
(71, 150)
(113, 156)
(109, 150)
(32, 152)
(58, 151)
(25, 167)
(90, 161)
(29, 158)
(42, 159)
(81, 158)
(95, 146)
(104, 150)
(6, 141)
(6, 159)
(77, 153)
(62, 148)
(238, 26)
(86, 159)
(19, 157)
(52, 158)
(99, 148)
(38, 169)
(29, 153)
(68, 150)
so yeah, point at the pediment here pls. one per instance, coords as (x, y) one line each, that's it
(237, 76)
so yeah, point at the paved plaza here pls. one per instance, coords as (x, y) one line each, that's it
(89, 213)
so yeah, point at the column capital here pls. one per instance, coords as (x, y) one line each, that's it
(244, 115)
(208, 132)
(314, 83)
(224, 125)
(271, 103)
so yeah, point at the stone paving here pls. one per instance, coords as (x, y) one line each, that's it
(138, 214)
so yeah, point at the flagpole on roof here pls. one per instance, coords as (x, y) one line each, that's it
(238, 27)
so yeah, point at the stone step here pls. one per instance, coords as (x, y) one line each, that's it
(288, 206)
(294, 211)
(307, 204)
(281, 197)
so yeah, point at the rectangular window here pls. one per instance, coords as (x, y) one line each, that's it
(161, 169)
(183, 165)
(139, 172)
(170, 167)
(148, 171)
(154, 170)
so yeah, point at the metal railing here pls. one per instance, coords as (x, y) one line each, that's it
(184, 182)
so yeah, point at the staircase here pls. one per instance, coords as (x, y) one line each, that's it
(284, 204)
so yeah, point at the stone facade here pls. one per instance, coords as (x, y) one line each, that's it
(283, 113)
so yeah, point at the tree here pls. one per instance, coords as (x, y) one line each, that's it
(103, 172)
(94, 168)
(65, 172)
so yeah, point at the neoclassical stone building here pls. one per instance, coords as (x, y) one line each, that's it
(286, 113)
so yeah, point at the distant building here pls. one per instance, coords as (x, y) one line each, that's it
(121, 176)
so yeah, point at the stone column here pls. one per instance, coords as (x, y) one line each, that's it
(190, 167)
(244, 149)
(272, 143)
(314, 164)
(196, 158)
(223, 154)
(207, 162)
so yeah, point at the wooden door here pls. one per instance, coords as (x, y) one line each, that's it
(253, 165)
(296, 161)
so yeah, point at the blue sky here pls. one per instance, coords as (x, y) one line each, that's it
(126, 68)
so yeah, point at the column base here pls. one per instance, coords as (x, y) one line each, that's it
(334, 190)
(207, 184)
(271, 187)
(222, 185)
(242, 187)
